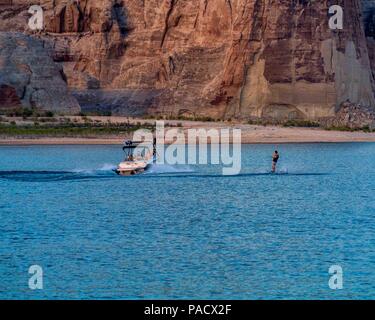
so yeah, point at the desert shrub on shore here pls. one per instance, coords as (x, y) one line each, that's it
(259, 122)
(309, 124)
(301, 124)
(366, 129)
(181, 118)
(26, 113)
(97, 113)
(69, 129)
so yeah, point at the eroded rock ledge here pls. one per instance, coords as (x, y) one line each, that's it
(351, 116)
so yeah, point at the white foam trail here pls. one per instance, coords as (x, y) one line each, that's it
(284, 170)
(104, 167)
(86, 171)
(153, 169)
(107, 167)
(164, 168)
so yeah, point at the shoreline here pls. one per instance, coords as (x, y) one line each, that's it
(250, 135)
(292, 136)
(110, 143)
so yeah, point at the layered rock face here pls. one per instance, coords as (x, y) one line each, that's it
(217, 58)
(29, 77)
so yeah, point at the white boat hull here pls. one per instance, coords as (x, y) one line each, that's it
(129, 168)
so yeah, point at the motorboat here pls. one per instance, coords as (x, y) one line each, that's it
(138, 157)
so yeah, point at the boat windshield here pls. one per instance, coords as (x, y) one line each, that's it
(136, 152)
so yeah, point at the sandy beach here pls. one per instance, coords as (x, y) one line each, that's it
(251, 134)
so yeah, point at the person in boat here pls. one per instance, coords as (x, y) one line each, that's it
(275, 159)
(130, 158)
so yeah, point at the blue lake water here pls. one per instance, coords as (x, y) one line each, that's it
(187, 231)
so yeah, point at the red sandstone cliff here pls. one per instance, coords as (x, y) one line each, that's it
(218, 58)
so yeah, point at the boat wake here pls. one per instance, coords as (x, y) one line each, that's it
(49, 176)
(104, 168)
(156, 169)
(241, 175)
(106, 172)
(103, 172)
